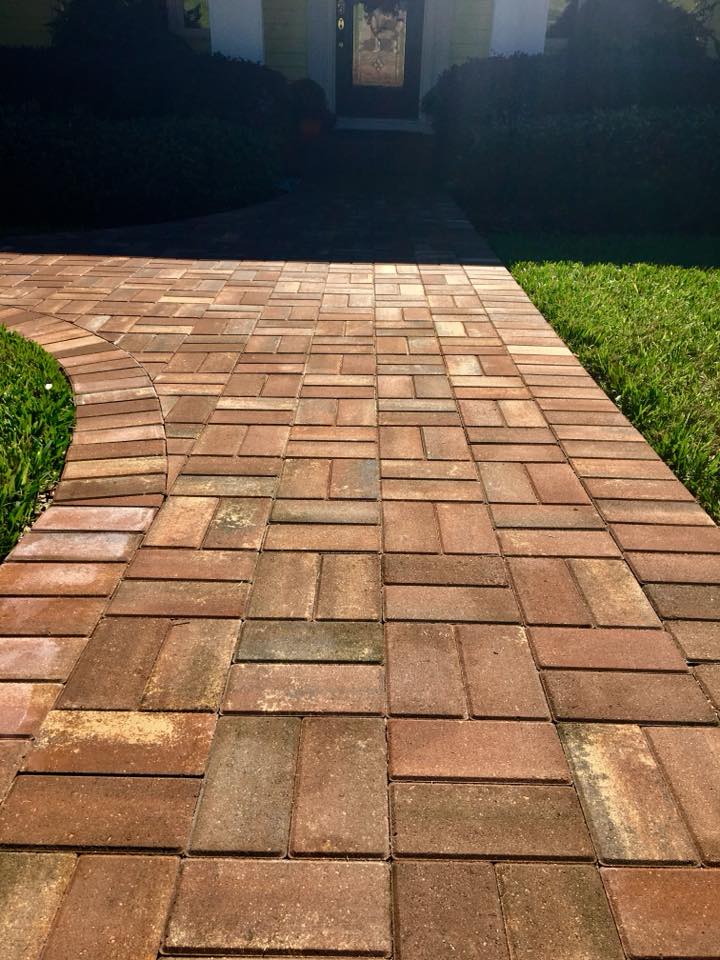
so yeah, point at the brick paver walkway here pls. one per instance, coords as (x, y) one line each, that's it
(362, 622)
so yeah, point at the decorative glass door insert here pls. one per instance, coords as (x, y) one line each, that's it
(379, 41)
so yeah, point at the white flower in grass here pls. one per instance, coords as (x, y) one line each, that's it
(48, 386)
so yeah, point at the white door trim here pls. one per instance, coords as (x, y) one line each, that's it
(321, 40)
(435, 56)
(437, 36)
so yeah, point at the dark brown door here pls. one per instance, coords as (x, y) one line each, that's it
(379, 52)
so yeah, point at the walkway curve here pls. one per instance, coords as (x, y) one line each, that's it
(419, 655)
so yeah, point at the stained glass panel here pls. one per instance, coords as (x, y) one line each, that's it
(379, 40)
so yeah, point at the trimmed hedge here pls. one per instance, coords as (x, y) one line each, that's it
(525, 87)
(620, 54)
(82, 170)
(134, 132)
(631, 170)
(171, 80)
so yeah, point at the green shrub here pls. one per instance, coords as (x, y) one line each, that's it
(84, 27)
(644, 52)
(498, 88)
(35, 429)
(87, 171)
(648, 53)
(118, 59)
(170, 81)
(621, 170)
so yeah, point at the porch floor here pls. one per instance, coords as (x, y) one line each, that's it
(362, 622)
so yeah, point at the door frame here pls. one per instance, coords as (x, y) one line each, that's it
(435, 54)
(386, 103)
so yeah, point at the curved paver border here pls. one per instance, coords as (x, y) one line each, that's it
(57, 581)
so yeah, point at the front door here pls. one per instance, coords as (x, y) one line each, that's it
(379, 51)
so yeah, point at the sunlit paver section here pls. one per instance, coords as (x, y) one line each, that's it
(362, 623)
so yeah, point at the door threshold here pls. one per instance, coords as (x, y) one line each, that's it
(379, 124)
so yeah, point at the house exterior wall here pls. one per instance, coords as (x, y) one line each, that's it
(472, 28)
(286, 41)
(236, 29)
(286, 36)
(519, 26)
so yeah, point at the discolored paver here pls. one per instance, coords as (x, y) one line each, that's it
(666, 913)
(86, 741)
(298, 906)
(629, 808)
(488, 820)
(114, 812)
(450, 907)
(341, 790)
(353, 573)
(115, 908)
(557, 912)
(617, 696)
(247, 800)
(480, 750)
(32, 886)
(293, 641)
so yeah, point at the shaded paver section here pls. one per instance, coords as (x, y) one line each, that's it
(362, 621)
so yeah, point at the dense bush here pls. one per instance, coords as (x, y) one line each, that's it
(619, 131)
(176, 82)
(636, 169)
(84, 170)
(498, 88)
(647, 53)
(118, 59)
(89, 27)
(142, 69)
(120, 121)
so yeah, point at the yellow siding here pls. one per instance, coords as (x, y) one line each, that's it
(24, 22)
(286, 36)
(471, 30)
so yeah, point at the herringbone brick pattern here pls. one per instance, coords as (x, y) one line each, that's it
(362, 623)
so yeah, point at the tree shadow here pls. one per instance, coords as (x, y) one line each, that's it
(357, 197)
(658, 249)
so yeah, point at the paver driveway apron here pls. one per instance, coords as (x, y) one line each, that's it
(362, 622)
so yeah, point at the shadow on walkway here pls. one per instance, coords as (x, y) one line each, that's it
(359, 197)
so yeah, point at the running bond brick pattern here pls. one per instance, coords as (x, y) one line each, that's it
(362, 622)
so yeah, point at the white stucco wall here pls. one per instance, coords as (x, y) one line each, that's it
(236, 29)
(519, 26)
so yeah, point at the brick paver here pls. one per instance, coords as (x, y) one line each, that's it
(362, 622)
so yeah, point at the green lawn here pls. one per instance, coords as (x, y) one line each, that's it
(643, 315)
(36, 421)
